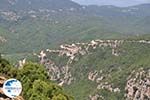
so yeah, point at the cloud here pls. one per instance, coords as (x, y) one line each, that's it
(113, 2)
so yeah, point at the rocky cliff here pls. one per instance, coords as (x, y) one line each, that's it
(72, 51)
(61, 66)
(2, 39)
(138, 85)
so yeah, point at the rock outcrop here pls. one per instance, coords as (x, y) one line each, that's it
(63, 74)
(98, 77)
(22, 63)
(9, 15)
(96, 97)
(71, 52)
(138, 85)
(92, 75)
(2, 39)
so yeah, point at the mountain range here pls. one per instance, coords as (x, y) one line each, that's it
(31, 25)
(28, 26)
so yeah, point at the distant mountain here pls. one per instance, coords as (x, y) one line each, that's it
(139, 10)
(36, 24)
(36, 4)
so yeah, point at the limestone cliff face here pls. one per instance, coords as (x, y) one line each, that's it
(2, 39)
(138, 85)
(2, 95)
(98, 77)
(63, 74)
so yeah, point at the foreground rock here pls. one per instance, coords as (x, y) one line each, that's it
(2, 96)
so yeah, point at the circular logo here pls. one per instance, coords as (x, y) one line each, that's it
(12, 88)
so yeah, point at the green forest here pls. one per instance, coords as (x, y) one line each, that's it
(35, 81)
(62, 50)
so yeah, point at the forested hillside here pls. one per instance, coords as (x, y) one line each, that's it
(101, 69)
(35, 81)
(92, 52)
(29, 26)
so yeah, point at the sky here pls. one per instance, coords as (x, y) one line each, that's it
(120, 3)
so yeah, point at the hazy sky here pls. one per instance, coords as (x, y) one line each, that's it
(113, 2)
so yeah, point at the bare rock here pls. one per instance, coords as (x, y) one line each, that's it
(2, 39)
(138, 85)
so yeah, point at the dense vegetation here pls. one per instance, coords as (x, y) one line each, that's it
(114, 69)
(63, 22)
(29, 26)
(36, 85)
(133, 57)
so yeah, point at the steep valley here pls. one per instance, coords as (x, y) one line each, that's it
(99, 69)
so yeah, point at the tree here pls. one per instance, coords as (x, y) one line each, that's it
(5, 66)
(59, 97)
(37, 86)
(40, 91)
(34, 79)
